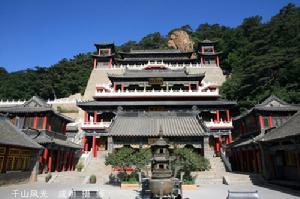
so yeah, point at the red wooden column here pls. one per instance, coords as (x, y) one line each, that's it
(95, 117)
(67, 161)
(227, 116)
(122, 87)
(115, 87)
(45, 122)
(218, 145)
(70, 161)
(227, 139)
(64, 161)
(57, 163)
(50, 161)
(230, 138)
(35, 122)
(86, 117)
(261, 122)
(270, 121)
(218, 116)
(73, 161)
(94, 147)
(45, 156)
(218, 61)
(41, 163)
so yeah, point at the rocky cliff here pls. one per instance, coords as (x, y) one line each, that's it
(179, 39)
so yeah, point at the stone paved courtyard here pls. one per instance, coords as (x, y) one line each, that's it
(58, 190)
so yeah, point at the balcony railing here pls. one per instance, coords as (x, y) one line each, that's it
(95, 125)
(160, 64)
(221, 124)
(158, 93)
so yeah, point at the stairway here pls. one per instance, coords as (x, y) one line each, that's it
(214, 175)
(243, 178)
(97, 167)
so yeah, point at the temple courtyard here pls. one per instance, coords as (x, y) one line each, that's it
(62, 190)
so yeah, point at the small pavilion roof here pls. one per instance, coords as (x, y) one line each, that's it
(271, 104)
(46, 137)
(288, 129)
(34, 105)
(11, 135)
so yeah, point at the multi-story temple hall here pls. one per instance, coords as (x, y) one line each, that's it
(130, 95)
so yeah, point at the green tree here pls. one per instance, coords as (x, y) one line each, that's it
(188, 160)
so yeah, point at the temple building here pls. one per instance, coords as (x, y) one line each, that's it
(46, 127)
(281, 150)
(142, 90)
(250, 129)
(18, 154)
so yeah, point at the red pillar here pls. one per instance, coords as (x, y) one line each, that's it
(50, 161)
(230, 138)
(227, 139)
(86, 147)
(67, 161)
(85, 117)
(57, 160)
(261, 122)
(218, 61)
(201, 60)
(41, 163)
(45, 122)
(217, 145)
(115, 87)
(95, 117)
(94, 147)
(64, 161)
(227, 116)
(270, 121)
(35, 122)
(73, 161)
(110, 63)
(70, 161)
(218, 116)
(46, 151)
(122, 87)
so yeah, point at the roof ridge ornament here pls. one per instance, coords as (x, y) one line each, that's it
(160, 133)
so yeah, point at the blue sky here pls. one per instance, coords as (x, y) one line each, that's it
(42, 32)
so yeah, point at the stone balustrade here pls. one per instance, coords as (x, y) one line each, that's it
(136, 93)
(95, 125)
(221, 124)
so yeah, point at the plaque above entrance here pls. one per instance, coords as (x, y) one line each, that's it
(156, 81)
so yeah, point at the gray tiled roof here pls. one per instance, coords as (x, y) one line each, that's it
(267, 105)
(43, 137)
(148, 124)
(156, 73)
(160, 102)
(11, 135)
(34, 105)
(245, 141)
(290, 128)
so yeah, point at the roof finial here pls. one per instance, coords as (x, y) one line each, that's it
(160, 131)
